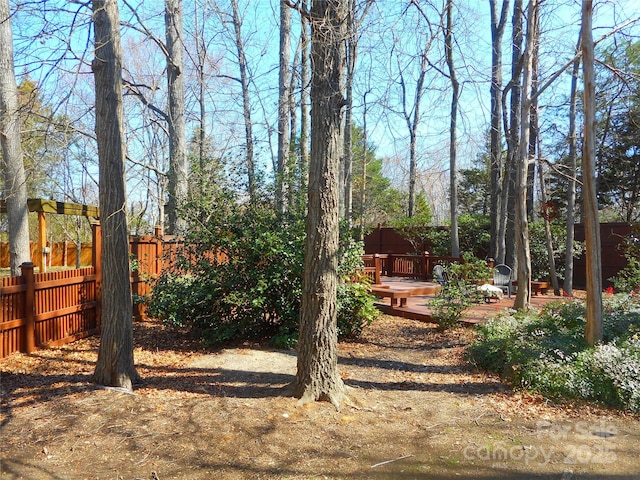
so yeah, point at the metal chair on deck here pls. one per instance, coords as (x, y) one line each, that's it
(441, 276)
(502, 278)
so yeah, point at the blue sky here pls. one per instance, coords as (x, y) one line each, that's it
(388, 39)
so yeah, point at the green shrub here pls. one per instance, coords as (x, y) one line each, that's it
(546, 352)
(251, 288)
(451, 302)
(472, 269)
(538, 246)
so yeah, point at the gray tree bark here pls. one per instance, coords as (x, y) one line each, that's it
(498, 24)
(305, 81)
(246, 102)
(593, 333)
(15, 180)
(178, 177)
(455, 98)
(317, 375)
(523, 296)
(115, 366)
(507, 220)
(284, 100)
(573, 173)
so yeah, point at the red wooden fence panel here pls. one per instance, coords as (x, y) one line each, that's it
(47, 309)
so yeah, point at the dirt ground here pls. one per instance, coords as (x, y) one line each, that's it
(416, 409)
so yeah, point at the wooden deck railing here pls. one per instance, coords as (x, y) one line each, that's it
(403, 265)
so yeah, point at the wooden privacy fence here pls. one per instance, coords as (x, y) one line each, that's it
(48, 309)
(59, 254)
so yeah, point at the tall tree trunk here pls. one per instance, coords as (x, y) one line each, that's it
(178, 167)
(507, 223)
(347, 155)
(593, 333)
(523, 297)
(547, 233)
(453, 167)
(352, 53)
(573, 173)
(293, 126)
(201, 55)
(15, 186)
(317, 376)
(534, 142)
(305, 82)
(498, 25)
(246, 103)
(365, 146)
(115, 365)
(412, 122)
(282, 174)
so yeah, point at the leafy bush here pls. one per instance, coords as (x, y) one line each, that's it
(628, 279)
(546, 352)
(472, 269)
(450, 304)
(461, 292)
(251, 287)
(475, 234)
(415, 229)
(538, 246)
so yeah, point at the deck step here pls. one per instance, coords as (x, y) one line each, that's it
(418, 314)
(393, 293)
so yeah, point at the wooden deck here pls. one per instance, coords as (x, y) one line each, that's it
(417, 303)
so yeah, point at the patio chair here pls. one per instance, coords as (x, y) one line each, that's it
(502, 278)
(441, 276)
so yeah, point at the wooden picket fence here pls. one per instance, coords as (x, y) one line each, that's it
(48, 309)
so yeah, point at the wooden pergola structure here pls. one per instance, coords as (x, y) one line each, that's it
(42, 207)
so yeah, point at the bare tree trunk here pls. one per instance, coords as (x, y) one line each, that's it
(317, 377)
(282, 174)
(497, 164)
(305, 82)
(523, 297)
(547, 234)
(352, 53)
(201, 55)
(15, 186)
(115, 365)
(507, 223)
(365, 146)
(534, 125)
(453, 167)
(593, 333)
(292, 104)
(412, 122)
(246, 103)
(347, 155)
(573, 173)
(178, 167)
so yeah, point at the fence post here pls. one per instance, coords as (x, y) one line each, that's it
(29, 331)
(157, 231)
(425, 266)
(96, 260)
(377, 263)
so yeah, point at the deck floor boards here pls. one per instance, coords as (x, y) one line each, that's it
(417, 306)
